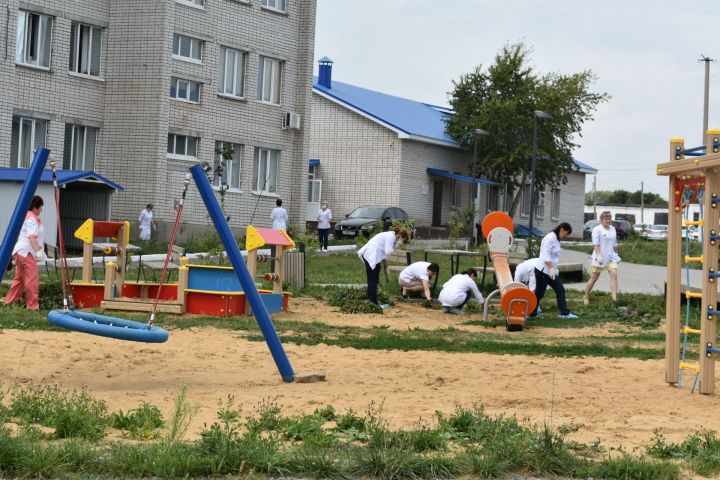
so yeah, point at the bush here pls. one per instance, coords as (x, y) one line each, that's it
(141, 423)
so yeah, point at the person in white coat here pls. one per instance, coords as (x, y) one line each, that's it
(458, 290)
(416, 278)
(525, 273)
(146, 222)
(604, 256)
(324, 218)
(546, 269)
(374, 254)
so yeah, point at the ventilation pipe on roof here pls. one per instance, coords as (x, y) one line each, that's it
(325, 76)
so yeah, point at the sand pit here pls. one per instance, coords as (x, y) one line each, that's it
(618, 401)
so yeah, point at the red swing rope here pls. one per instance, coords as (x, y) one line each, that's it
(151, 322)
(67, 293)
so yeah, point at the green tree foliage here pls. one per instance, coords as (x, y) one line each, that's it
(623, 197)
(502, 99)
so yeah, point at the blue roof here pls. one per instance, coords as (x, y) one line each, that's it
(413, 118)
(407, 116)
(464, 178)
(63, 176)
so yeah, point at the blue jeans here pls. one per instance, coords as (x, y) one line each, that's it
(542, 280)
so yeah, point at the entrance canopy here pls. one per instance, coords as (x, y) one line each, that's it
(456, 176)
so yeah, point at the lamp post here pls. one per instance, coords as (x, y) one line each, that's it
(543, 116)
(478, 132)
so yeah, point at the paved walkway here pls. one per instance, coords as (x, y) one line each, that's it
(632, 277)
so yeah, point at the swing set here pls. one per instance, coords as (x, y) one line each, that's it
(123, 329)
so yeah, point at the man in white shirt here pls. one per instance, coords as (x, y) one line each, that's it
(416, 277)
(279, 216)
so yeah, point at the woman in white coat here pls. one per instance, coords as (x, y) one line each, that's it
(546, 270)
(375, 252)
(458, 290)
(604, 256)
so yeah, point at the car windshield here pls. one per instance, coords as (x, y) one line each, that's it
(659, 227)
(367, 212)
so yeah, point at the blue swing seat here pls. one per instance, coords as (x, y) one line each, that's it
(107, 326)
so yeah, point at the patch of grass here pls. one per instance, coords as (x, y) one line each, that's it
(701, 451)
(632, 468)
(141, 423)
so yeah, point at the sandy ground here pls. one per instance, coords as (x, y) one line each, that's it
(618, 401)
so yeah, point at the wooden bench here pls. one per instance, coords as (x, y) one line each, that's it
(74, 264)
(176, 253)
(398, 260)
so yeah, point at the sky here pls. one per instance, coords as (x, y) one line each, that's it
(645, 55)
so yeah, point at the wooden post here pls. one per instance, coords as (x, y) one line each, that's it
(279, 268)
(110, 271)
(708, 323)
(673, 283)
(87, 262)
(183, 274)
(252, 270)
(121, 245)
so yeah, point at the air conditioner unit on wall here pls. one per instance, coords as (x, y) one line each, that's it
(291, 120)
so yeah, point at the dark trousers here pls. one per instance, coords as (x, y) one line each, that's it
(373, 278)
(323, 234)
(468, 294)
(542, 280)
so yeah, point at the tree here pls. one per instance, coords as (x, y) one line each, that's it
(502, 100)
(623, 197)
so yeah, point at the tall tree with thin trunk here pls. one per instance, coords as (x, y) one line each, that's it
(502, 99)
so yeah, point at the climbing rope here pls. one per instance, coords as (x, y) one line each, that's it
(67, 292)
(151, 322)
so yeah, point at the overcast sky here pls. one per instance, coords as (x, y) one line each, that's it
(645, 54)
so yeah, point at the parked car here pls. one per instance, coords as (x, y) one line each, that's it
(363, 219)
(693, 232)
(639, 228)
(522, 231)
(588, 228)
(623, 228)
(657, 232)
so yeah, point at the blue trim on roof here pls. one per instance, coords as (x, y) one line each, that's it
(584, 166)
(463, 178)
(325, 60)
(63, 176)
(314, 161)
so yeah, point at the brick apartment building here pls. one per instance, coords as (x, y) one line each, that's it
(140, 91)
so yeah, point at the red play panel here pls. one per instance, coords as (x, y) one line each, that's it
(273, 237)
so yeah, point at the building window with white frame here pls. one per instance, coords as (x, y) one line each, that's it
(456, 191)
(555, 210)
(539, 204)
(187, 48)
(525, 201)
(34, 39)
(265, 175)
(80, 147)
(270, 81)
(278, 5)
(85, 48)
(183, 147)
(184, 90)
(229, 154)
(493, 192)
(27, 135)
(194, 3)
(232, 72)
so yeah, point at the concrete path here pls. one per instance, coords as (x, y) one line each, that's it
(632, 277)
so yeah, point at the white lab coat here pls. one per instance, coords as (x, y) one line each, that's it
(416, 271)
(607, 241)
(378, 248)
(455, 290)
(525, 273)
(279, 218)
(549, 252)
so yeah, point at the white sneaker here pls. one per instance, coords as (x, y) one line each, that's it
(569, 316)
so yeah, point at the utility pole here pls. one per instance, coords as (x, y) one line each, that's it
(642, 203)
(707, 61)
(593, 197)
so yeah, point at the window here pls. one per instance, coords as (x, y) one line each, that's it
(232, 72)
(198, 3)
(27, 135)
(493, 192)
(278, 5)
(85, 47)
(182, 146)
(456, 190)
(539, 204)
(266, 163)
(555, 210)
(184, 90)
(270, 81)
(187, 48)
(525, 205)
(80, 147)
(34, 36)
(230, 174)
